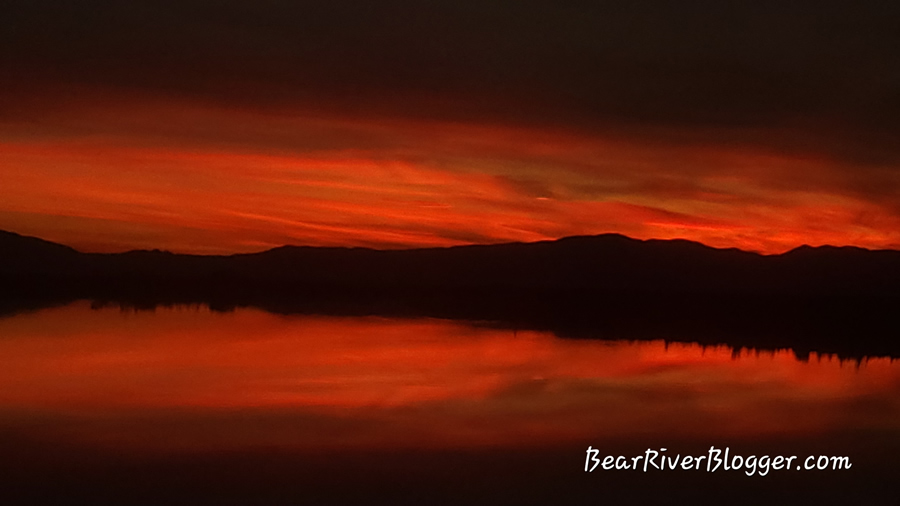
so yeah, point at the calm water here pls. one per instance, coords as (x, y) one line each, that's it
(183, 404)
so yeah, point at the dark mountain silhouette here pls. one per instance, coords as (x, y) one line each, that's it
(839, 300)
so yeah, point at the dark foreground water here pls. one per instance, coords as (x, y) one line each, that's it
(187, 406)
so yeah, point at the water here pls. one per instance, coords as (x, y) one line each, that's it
(187, 405)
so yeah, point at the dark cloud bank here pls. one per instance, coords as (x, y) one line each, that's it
(829, 67)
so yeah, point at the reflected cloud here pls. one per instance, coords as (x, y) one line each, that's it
(187, 378)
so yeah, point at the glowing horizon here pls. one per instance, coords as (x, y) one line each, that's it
(237, 128)
(198, 179)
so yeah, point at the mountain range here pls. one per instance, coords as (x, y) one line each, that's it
(830, 299)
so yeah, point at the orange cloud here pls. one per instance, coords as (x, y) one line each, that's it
(189, 178)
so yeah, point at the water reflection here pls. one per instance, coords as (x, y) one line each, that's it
(189, 379)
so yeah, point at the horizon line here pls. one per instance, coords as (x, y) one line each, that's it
(460, 246)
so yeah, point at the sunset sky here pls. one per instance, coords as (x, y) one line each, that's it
(221, 127)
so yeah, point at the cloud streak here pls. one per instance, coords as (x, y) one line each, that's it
(238, 127)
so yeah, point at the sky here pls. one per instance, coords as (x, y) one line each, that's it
(223, 127)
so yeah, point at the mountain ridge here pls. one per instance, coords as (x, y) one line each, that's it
(827, 299)
(6, 235)
(607, 262)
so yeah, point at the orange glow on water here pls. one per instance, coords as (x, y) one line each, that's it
(185, 377)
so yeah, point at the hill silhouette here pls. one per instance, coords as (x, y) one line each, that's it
(827, 299)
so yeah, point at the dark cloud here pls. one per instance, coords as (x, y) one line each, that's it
(826, 73)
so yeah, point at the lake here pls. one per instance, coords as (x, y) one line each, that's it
(187, 405)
